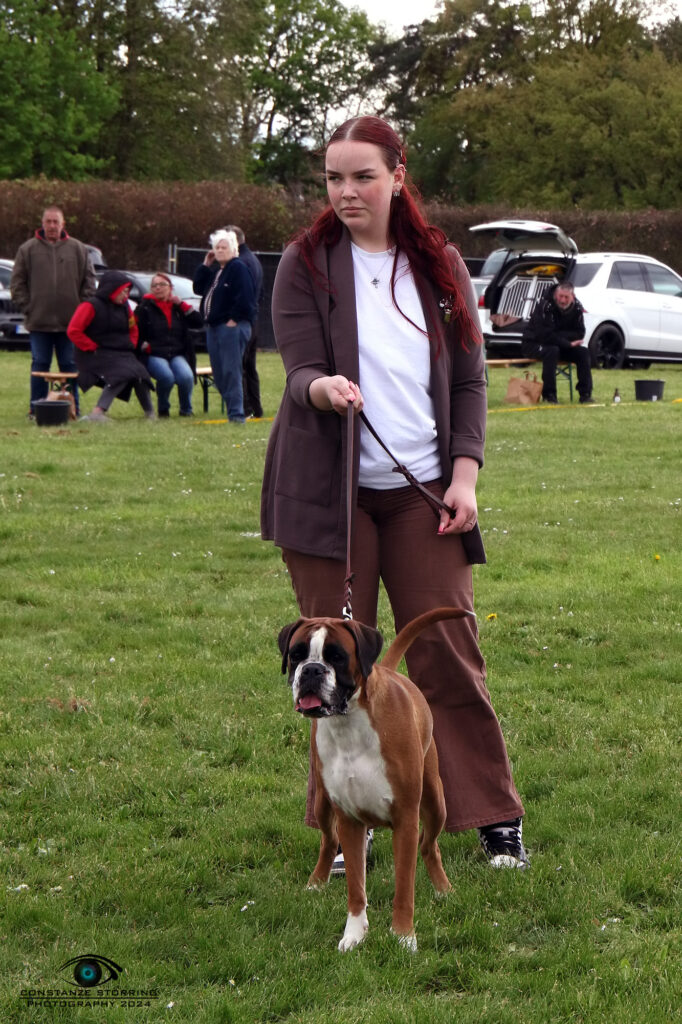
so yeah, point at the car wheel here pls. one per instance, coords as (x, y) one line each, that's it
(607, 348)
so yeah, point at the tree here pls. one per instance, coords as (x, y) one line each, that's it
(176, 88)
(538, 102)
(597, 132)
(303, 63)
(55, 104)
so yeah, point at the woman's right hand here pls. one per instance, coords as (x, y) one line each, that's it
(334, 394)
(209, 258)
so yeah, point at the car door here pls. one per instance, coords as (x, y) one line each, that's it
(637, 307)
(667, 286)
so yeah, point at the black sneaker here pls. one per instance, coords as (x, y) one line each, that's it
(550, 399)
(502, 844)
(587, 400)
(338, 865)
(164, 414)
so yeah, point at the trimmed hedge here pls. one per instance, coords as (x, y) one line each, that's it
(133, 222)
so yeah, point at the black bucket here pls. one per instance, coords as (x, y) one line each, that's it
(51, 413)
(649, 390)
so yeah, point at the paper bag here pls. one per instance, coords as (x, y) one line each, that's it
(525, 390)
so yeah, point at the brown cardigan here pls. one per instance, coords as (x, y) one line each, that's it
(303, 497)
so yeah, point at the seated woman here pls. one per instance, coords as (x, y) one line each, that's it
(164, 323)
(104, 331)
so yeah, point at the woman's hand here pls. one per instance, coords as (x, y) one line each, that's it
(334, 394)
(231, 323)
(461, 496)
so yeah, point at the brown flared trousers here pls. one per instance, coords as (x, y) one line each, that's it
(395, 540)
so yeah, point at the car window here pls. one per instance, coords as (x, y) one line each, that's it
(582, 274)
(627, 275)
(493, 263)
(5, 275)
(136, 293)
(663, 281)
(183, 289)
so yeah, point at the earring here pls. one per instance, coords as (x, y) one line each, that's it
(396, 193)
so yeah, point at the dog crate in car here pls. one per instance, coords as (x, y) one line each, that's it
(521, 294)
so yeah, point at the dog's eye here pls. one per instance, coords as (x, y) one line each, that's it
(298, 653)
(335, 656)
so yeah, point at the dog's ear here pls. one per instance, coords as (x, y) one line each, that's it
(283, 639)
(368, 644)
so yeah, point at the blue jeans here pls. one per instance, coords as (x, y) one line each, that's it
(226, 347)
(166, 373)
(43, 345)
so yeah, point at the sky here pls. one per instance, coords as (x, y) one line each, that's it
(396, 13)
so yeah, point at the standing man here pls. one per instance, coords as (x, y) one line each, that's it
(555, 332)
(51, 276)
(252, 402)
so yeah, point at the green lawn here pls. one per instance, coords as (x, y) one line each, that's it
(153, 770)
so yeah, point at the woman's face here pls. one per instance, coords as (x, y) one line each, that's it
(360, 188)
(121, 297)
(223, 252)
(161, 289)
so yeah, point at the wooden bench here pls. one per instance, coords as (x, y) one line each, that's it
(206, 379)
(562, 370)
(56, 381)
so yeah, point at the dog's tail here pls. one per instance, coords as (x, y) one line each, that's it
(391, 658)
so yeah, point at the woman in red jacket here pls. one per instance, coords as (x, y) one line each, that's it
(104, 331)
(164, 322)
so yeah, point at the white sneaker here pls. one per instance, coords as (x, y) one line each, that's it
(338, 865)
(96, 416)
(502, 844)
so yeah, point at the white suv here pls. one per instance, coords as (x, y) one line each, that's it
(633, 303)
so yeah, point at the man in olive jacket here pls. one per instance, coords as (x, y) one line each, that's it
(51, 276)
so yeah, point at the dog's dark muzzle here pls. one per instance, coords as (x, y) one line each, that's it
(310, 702)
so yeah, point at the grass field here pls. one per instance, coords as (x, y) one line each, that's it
(153, 770)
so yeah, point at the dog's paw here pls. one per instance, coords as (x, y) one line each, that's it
(408, 942)
(357, 926)
(315, 884)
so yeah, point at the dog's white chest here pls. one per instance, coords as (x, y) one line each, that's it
(353, 768)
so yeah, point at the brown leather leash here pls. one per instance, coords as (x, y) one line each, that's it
(437, 504)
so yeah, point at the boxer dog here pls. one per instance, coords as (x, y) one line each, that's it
(373, 757)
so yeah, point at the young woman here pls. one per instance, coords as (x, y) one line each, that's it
(372, 308)
(104, 331)
(228, 307)
(164, 323)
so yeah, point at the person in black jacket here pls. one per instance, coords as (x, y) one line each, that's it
(164, 323)
(228, 307)
(555, 332)
(104, 331)
(252, 401)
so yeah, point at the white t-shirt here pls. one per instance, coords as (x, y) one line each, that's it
(395, 373)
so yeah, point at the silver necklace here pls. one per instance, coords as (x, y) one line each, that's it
(376, 280)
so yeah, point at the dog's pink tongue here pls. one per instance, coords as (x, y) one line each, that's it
(309, 701)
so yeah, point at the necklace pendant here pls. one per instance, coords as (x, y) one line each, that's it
(375, 282)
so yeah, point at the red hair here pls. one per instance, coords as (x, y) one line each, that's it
(424, 244)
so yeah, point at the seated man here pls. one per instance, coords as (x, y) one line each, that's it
(555, 332)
